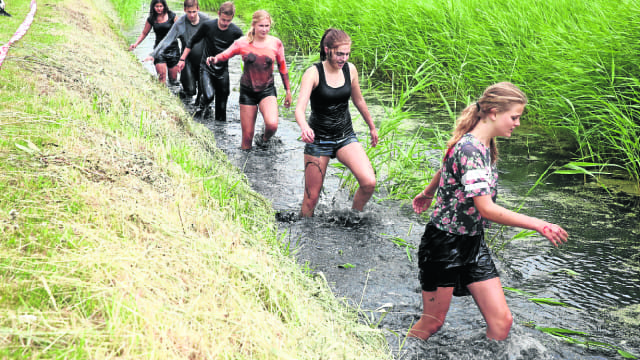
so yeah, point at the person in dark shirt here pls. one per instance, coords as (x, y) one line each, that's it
(184, 29)
(161, 20)
(217, 35)
(329, 132)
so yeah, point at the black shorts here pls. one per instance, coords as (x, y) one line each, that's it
(250, 97)
(170, 56)
(442, 273)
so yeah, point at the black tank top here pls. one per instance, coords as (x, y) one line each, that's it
(330, 118)
(162, 29)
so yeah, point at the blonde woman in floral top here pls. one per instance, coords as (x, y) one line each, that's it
(453, 257)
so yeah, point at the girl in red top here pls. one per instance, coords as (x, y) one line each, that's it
(260, 51)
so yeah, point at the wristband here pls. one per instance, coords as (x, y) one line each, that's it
(180, 60)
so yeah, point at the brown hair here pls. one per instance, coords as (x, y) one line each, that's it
(190, 3)
(257, 16)
(501, 97)
(152, 11)
(332, 38)
(227, 8)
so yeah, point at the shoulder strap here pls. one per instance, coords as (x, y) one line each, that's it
(321, 78)
(346, 71)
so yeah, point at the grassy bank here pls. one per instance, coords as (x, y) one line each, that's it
(576, 60)
(125, 232)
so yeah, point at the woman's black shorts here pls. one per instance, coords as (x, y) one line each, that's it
(170, 56)
(250, 97)
(439, 271)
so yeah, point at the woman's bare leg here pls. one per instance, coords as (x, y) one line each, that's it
(355, 158)
(489, 297)
(248, 115)
(269, 111)
(173, 73)
(161, 69)
(314, 170)
(435, 305)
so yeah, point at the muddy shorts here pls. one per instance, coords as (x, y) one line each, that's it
(446, 268)
(170, 56)
(329, 147)
(250, 97)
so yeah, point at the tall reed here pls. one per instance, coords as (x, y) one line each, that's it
(575, 59)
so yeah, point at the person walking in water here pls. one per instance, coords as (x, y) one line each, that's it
(184, 29)
(161, 20)
(329, 132)
(217, 35)
(260, 51)
(453, 258)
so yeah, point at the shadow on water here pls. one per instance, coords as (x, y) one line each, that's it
(596, 275)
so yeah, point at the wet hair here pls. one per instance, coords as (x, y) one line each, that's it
(190, 3)
(227, 8)
(259, 15)
(501, 97)
(331, 39)
(152, 11)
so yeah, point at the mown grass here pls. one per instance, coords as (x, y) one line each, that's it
(576, 60)
(125, 232)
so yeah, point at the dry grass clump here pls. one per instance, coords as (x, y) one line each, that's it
(117, 239)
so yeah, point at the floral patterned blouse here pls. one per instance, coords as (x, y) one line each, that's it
(467, 172)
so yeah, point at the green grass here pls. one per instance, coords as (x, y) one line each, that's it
(128, 10)
(126, 232)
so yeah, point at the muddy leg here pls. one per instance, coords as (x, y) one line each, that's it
(269, 111)
(355, 158)
(248, 115)
(435, 305)
(314, 170)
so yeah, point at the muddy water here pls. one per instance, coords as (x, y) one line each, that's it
(597, 275)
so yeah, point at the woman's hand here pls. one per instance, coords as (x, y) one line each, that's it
(211, 59)
(148, 58)
(287, 99)
(133, 46)
(374, 137)
(422, 202)
(308, 135)
(554, 233)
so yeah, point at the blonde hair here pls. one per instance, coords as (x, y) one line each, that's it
(259, 15)
(501, 97)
